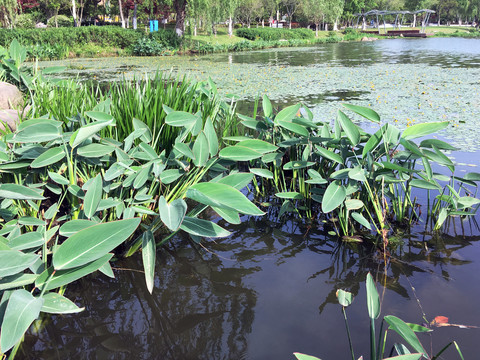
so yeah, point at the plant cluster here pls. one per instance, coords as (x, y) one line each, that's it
(270, 34)
(72, 37)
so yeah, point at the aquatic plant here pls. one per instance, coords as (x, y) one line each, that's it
(405, 330)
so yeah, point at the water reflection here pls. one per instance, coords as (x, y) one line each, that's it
(228, 298)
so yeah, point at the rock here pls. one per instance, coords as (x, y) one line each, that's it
(365, 39)
(40, 25)
(9, 118)
(10, 96)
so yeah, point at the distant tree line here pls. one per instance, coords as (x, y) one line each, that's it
(207, 14)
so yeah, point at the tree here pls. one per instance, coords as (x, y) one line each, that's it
(314, 11)
(290, 7)
(8, 12)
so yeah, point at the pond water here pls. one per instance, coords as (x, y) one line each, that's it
(269, 289)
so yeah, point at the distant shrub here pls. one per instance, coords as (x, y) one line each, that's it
(272, 34)
(167, 38)
(25, 21)
(147, 47)
(62, 21)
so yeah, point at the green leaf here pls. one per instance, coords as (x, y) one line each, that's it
(224, 196)
(288, 113)
(211, 136)
(54, 303)
(372, 143)
(230, 216)
(88, 130)
(296, 128)
(92, 243)
(12, 262)
(367, 113)
(418, 328)
(402, 329)
(267, 106)
(37, 133)
(373, 300)
(180, 118)
(16, 281)
(142, 176)
(334, 196)
(95, 150)
(295, 165)
(289, 195)
(237, 180)
(361, 220)
(442, 216)
(99, 116)
(344, 298)
(202, 228)
(30, 220)
(57, 178)
(258, 145)
(22, 310)
(73, 226)
(300, 356)
(267, 174)
(239, 153)
(172, 214)
(148, 257)
(19, 192)
(141, 126)
(64, 277)
(200, 150)
(49, 157)
(442, 145)
(353, 204)
(93, 196)
(424, 184)
(419, 130)
(405, 357)
(171, 175)
(330, 155)
(25, 241)
(351, 130)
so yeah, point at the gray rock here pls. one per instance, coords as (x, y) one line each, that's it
(9, 118)
(10, 96)
(40, 25)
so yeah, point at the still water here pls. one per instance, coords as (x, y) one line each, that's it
(269, 289)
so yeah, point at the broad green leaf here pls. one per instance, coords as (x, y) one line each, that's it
(357, 173)
(424, 184)
(180, 118)
(16, 281)
(184, 149)
(334, 196)
(330, 155)
(211, 136)
(64, 277)
(267, 107)
(148, 257)
(22, 310)
(353, 204)
(141, 126)
(142, 176)
(57, 178)
(73, 226)
(367, 113)
(54, 303)
(230, 216)
(171, 175)
(418, 328)
(148, 151)
(172, 214)
(402, 329)
(239, 153)
(222, 195)
(19, 192)
(258, 145)
(30, 220)
(412, 147)
(92, 243)
(373, 300)
(419, 130)
(106, 269)
(467, 201)
(202, 228)
(93, 196)
(296, 128)
(99, 116)
(37, 133)
(344, 298)
(372, 143)
(442, 145)
(200, 150)
(294, 165)
(254, 124)
(472, 176)
(289, 195)
(95, 150)
(267, 174)
(442, 216)
(237, 180)
(427, 167)
(88, 130)
(53, 70)
(28, 240)
(12, 262)
(287, 114)
(301, 356)
(351, 130)
(315, 177)
(49, 157)
(405, 357)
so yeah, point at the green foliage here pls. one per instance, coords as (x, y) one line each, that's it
(148, 47)
(25, 21)
(269, 34)
(167, 38)
(62, 21)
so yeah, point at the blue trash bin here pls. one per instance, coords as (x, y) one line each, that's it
(155, 22)
(151, 25)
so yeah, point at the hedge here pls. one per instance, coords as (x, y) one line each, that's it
(271, 34)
